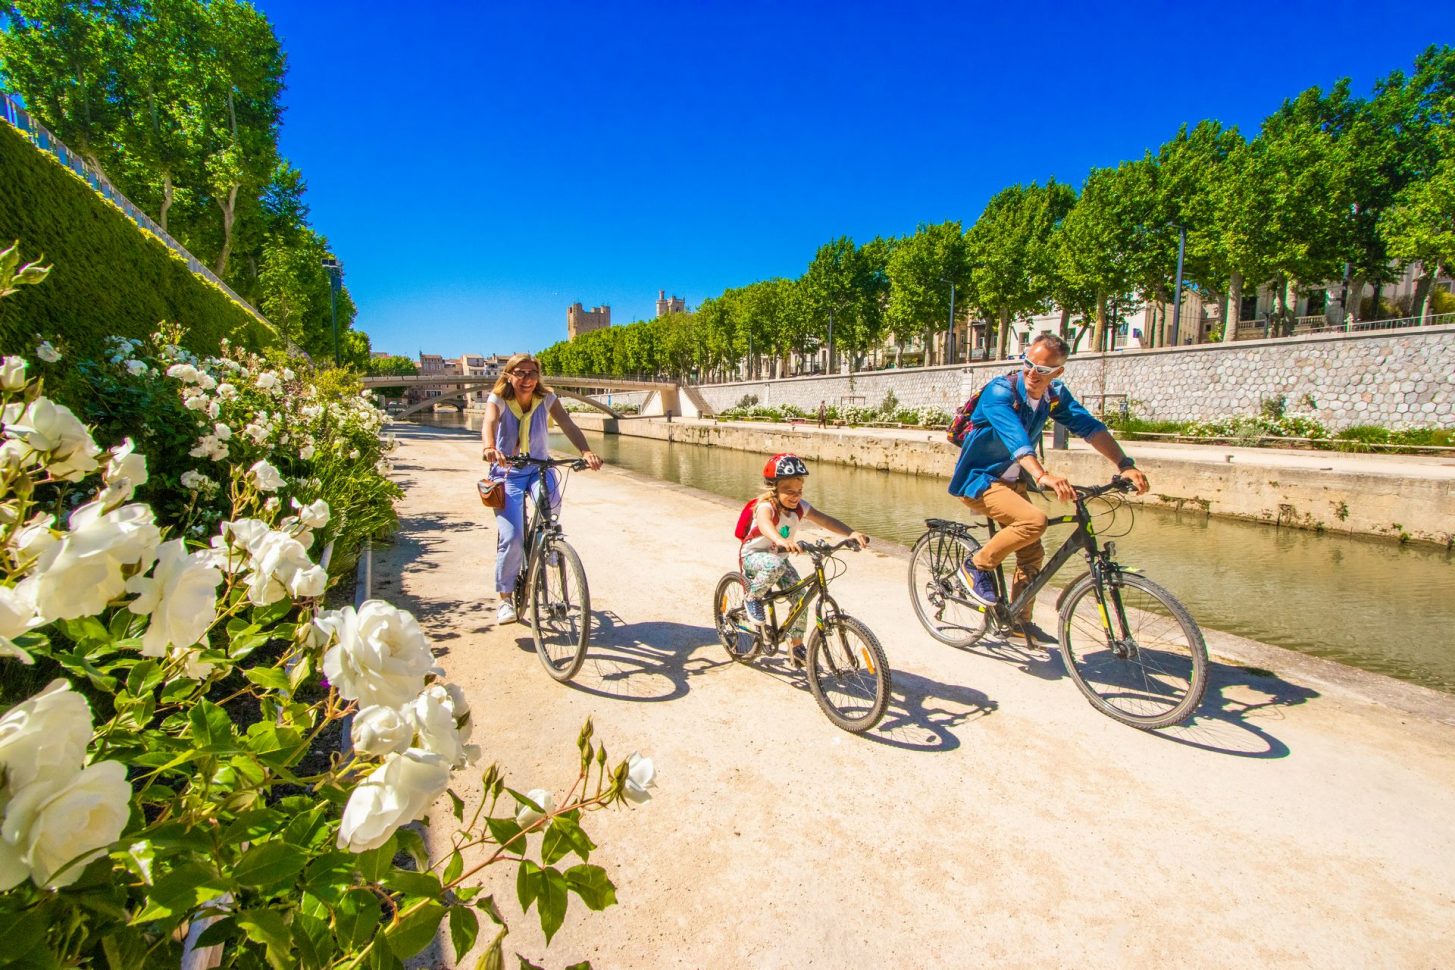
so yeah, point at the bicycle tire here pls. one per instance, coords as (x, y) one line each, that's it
(933, 564)
(1163, 678)
(850, 681)
(741, 642)
(560, 610)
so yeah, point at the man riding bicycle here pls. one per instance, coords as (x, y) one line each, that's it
(998, 458)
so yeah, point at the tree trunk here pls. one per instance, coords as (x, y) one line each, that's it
(1285, 319)
(1424, 288)
(1065, 323)
(229, 213)
(1235, 307)
(1098, 331)
(167, 193)
(1354, 301)
(1002, 339)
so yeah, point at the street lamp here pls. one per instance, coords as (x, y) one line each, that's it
(335, 279)
(1177, 295)
(950, 330)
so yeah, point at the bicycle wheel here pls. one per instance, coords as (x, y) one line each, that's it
(848, 674)
(939, 598)
(560, 610)
(738, 636)
(1151, 674)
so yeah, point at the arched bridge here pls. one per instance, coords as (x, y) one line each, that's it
(663, 397)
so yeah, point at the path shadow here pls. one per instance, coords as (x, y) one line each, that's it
(921, 711)
(646, 662)
(1233, 717)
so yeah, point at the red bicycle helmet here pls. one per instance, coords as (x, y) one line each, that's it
(785, 465)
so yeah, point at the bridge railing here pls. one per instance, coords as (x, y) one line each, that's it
(42, 137)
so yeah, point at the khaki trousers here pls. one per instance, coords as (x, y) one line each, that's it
(1021, 525)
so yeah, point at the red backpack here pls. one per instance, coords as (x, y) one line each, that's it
(745, 519)
(961, 424)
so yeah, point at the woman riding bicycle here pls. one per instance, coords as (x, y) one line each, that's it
(516, 417)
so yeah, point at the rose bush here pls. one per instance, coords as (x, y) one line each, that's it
(201, 795)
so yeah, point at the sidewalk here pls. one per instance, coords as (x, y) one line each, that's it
(993, 818)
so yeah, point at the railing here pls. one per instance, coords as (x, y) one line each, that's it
(1319, 324)
(41, 136)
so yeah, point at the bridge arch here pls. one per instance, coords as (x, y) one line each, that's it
(461, 393)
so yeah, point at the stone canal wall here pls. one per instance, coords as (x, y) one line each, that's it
(1394, 379)
(1337, 493)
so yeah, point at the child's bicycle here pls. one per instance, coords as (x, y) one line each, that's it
(551, 588)
(845, 664)
(1130, 646)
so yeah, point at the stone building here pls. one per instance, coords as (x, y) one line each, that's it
(665, 306)
(479, 365)
(580, 320)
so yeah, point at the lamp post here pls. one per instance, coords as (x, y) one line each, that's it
(950, 330)
(335, 278)
(1177, 295)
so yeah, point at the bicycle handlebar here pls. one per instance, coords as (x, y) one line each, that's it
(828, 548)
(525, 461)
(1117, 484)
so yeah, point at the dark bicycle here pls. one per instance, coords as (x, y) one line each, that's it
(1130, 646)
(845, 664)
(552, 582)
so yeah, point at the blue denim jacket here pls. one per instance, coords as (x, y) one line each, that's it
(1004, 434)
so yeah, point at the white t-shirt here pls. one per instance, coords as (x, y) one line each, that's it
(1014, 471)
(787, 518)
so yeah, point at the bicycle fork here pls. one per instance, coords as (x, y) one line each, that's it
(1105, 582)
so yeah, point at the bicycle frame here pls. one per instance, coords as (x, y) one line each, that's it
(812, 588)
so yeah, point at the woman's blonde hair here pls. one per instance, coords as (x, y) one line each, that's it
(502, 388)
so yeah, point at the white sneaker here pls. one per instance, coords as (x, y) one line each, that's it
(505, 613)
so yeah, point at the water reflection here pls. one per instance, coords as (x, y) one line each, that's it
(1370, 604)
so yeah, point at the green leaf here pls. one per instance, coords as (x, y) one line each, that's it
(491, 910)
(357, 917)
(25, 942)
(414, 929)
(457, 805)
(413, 883)
(375, 863)
(252, 826)
(464, 928)
(565, 835)
(269, 864)
(139, 857)
(527, 884)
(123, 949)
(453, 868)
(218, 931)
(547, 888)
(330, 874)
(592, 885)
(504, 830)
(583, 965)
(144, 676)
(494, 956)
(412, 844)
(181, 891)
(212, 729)
(313, 940)
(306, 830)
(527, 965)
(270, 677)
(267, 927)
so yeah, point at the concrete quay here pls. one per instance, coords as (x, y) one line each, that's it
(1401, 497)
(1305, 817)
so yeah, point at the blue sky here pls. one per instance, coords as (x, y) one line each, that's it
(480, 166)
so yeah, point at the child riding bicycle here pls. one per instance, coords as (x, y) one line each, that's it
(775, 517)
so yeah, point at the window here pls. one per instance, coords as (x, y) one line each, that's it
(1317, 300)
(1249, 310)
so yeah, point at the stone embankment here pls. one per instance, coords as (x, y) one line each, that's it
(1401, 497)
(1304, 818)
(1392, 379)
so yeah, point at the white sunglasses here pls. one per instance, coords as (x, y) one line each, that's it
(1042, 369)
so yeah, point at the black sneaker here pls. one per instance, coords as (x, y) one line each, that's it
(979, 583)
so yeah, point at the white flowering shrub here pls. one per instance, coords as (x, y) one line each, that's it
(179, 769)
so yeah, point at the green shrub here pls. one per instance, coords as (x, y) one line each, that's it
(110, 277)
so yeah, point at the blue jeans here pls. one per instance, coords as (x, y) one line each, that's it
(510, 523)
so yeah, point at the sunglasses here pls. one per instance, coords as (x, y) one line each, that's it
(525, 374)
(1042, 369)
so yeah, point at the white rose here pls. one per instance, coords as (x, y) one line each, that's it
(257, 433)
(641, 774)
(47, 353)
(226, 391)
(314, 515)
(125, 470)
(83, 572)
(377, 731)
(185, 373)
(306, 452)
(53, 430)
(17, 615)
(47, 732)
(280, 567)
(136, 368)
(397, 792)
(213, 410)
(288, 374)
(196, 481)
(267, 380)
(195, 402)
(180, 596)
(528, 816)
(206, 381)
(31, 542)
(221, 432)
(354, 455)
(442, 721)
(62, 823)
(12, 373)
(380, 655)
(266, 477)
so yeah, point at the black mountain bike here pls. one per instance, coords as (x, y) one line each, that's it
(551, 588)
(1130, 646)
(846, 669)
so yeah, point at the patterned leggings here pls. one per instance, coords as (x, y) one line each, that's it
(767, 570)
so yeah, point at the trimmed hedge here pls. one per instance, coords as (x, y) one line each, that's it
(110, 276)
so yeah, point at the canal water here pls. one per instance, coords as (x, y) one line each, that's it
(1371, 604)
